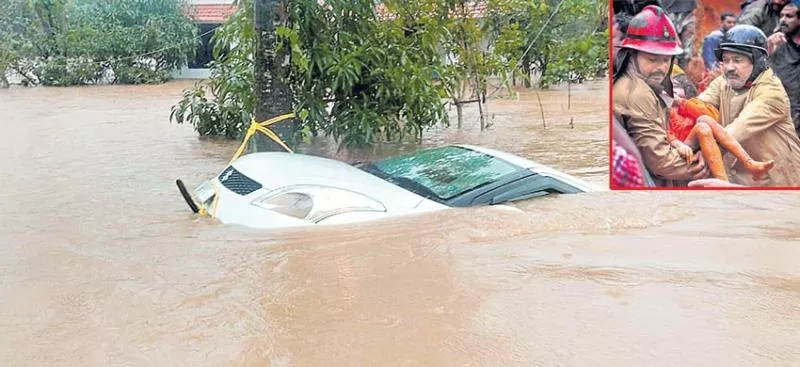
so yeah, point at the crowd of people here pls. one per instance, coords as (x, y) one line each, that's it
(727, 117)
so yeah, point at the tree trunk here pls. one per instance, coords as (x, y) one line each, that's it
(481, 112)
(459, 100)
(273, 96)
(526, 68)
(569, 94)
(459, 112)
(544, 70)
(480, 93)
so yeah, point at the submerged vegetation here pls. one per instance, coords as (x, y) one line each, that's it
(63, 42)
(360, 71)
(366, 72)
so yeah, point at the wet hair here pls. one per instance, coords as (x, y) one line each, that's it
(725, 15)
(796, 6)
(633, 7)
(622, 20)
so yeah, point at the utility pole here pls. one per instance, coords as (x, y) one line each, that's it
(273, 96)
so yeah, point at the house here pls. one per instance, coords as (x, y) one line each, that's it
(208, 15)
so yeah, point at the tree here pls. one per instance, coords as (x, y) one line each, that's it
(548, 28)
(366, 73)
(60, 42)
(273, 95)
(20, 38)
(354, 77)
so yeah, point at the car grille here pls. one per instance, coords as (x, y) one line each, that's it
(238, 182)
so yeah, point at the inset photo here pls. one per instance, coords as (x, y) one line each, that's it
(705, 94)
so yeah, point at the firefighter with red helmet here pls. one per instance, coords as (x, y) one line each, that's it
(642, 95)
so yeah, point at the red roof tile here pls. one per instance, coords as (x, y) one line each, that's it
(210, 13)
(472, 9)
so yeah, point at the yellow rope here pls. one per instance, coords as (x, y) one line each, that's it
(263, 127)
(203, 212)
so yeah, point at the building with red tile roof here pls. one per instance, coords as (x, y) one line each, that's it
(210, 13)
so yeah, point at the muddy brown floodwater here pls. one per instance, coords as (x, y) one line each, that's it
(104, 265)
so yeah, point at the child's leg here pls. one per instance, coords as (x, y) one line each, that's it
(758, 169)
(702, 134)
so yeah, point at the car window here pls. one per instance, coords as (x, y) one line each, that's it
(526, 188)
(444, 172)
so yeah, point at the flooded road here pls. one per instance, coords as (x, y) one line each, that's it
(104, 265)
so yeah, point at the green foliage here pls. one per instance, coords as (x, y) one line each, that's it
(21, 38)
(583, 49)
(74, 42)
(232, 104)
(579, 59)
(569, 44)
(62, 71)
(355, 78)
(377, 75)
(363, 79)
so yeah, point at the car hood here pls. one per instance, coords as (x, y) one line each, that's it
(278, 169)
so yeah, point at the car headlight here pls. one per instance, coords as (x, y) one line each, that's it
(315, 202)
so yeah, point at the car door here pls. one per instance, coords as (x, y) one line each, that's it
(525, 188)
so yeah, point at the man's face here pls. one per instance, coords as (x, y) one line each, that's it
(728, 23)
(654, 68)
(789, 20)
(778, 4)
(736, 68)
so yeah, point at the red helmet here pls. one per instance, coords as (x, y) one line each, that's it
(651, 31)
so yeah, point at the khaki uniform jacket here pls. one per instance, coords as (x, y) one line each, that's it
(762, 125)
(646, 118)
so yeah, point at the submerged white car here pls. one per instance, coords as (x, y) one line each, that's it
(276, 189)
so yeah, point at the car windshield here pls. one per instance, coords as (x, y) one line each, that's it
(443, 172)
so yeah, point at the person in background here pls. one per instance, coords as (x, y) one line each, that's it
(683, 85)
(711, 42)
(762, 14)
(681, 13)
(783, 48)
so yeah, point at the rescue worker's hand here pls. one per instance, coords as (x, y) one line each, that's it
(712, 182)
(684, 151)
(677, 101)
(775, 40)
(708, 120)
(698, 168)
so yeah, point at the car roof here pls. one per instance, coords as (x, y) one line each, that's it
(535, 167)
